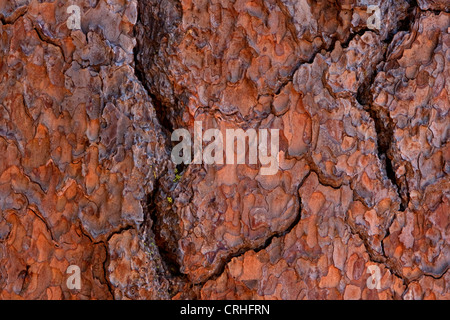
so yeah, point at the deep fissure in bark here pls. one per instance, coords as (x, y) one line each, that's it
(170, 267)
(153, 33)
(161, 110)
(384, 125)
(152, 28)
(168, 256)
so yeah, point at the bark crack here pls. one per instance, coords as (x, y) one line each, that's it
(263, 246)
(376, 257)
(20, 12)
(384, 128)
(384, 125)
(48, 40)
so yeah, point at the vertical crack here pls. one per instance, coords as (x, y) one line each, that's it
(384, 125)
(153, 223)
(105, 270)
(153, 32)
(155, 234)
(154, 27)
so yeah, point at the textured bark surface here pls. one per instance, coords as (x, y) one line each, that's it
(86, 176)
